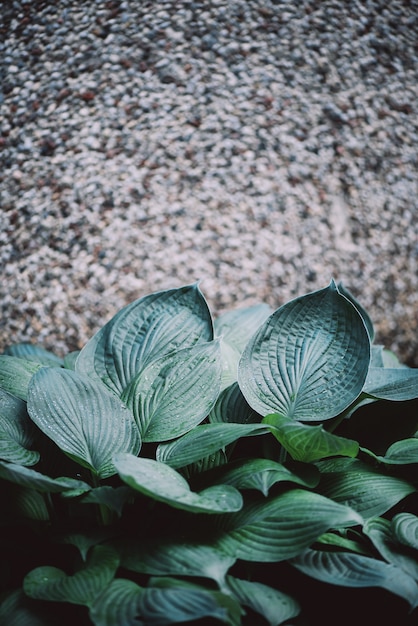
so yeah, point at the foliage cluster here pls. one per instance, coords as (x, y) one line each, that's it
(252, 469)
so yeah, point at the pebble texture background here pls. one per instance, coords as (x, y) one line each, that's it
(262, 147)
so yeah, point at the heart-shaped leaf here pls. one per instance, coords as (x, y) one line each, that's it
(161, 482)
(309, 360)
(175, 392)
(366, 317)
(355, 570)
(275, 606)
(83, 418)
(118, 605)
(175, 559)
(83, 587)
(367, 491)
(283, 526)
(203, 441)
(309, 443)
(261, 474)
(16, 431)
(143, 331)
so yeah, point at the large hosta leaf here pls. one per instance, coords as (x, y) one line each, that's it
(309, 360)
(395, 383)
(355, 570)
(231, 406)
(275, 606)
(161, 482)
(175, 559)
(27, 477)
(83, 418)
(281, 527)
(16, 431)
(405, 529)
(204, 440)
(175, 392)
(367, 491)
(402, 452)
(309, 443)
(171, 601)
(261, 474)
(380, 531)
(366, 317)
(118, 605)
(16, 373)
(33, 352)
(83, 587)
(143, 331)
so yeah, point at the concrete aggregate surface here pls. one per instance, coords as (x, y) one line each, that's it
(259, 147)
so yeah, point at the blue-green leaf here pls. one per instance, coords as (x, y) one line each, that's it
(143, 331)
(405, 529)
(27, 477)
(16, 431)
(83, 418)
(175, 392)
(309, 360)
(309, 443)
(396, 384)
(118, 605)
(380, 531)
(33, 352)
(16, 373)
(161, 482)
(366, 317)
(231, 406)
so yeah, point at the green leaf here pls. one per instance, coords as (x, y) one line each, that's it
(405, 528)
(118, 605)
(33, 352)
(161, 482)
(366, 317)
(309, 360)
(83, 418)
(175, 559)
(16, 431)
(229, 358)
(24, 502)
(262, 474)
(170, 601)
(114, 498)
(309, 443)
(86, 540)
(231, 406)
(364, 489)
(379, 530)
(402, 452)
(281, 527)
(275, 606)
(16, 373)
(27, 477)
(355, 570)
(83, 587)
(238, 326)
(336, 540)
(203, 441)
(397, 384)
(16, 609)
(143, 331)
(175, 392)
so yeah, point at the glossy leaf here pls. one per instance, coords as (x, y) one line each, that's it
(171, 601)
(379, 530)
(309, 360)
(204, 440)
(161, 482)
(16, 431)
(145, 330)
(397, 384)
(309, 443)
(83, 587)
(118, 605)
(355, 570)
(175, 392)
(262, 474)
(405, 528)
(367, 491)
(282, 526)
(83, 418)
(16, 373)
(176, 559)
(275, 606)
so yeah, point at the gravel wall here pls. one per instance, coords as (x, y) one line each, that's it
(262, 147)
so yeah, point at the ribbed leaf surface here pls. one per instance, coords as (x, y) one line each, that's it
(83, 418)
(175, 392)
(283, 526)
(398, 384)
(27, 477)
(16, 431)
(380, 532)
(15, 374)
(231, 406)
(145, 330)
(405, 528)
(309, 360)
(118, 605)
(161, 482)
(355, 570)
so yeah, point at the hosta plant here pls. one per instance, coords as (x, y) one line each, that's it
(257, 468)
